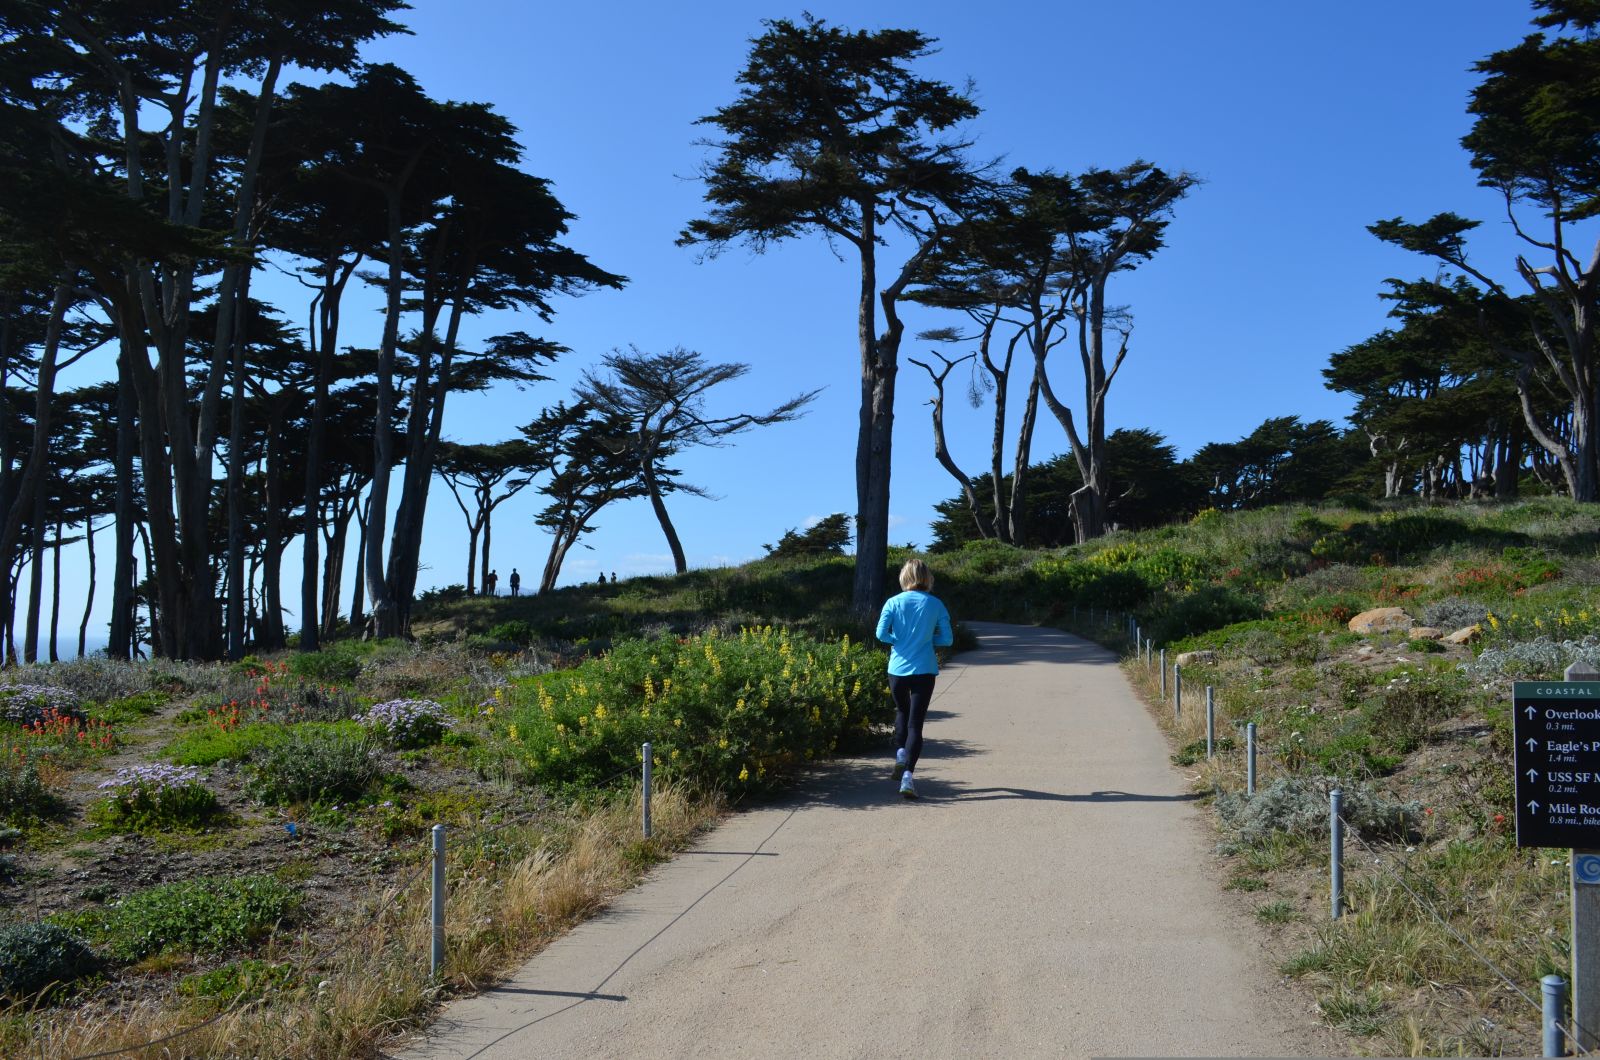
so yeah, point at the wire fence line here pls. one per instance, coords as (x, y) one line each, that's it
(1570, 1027)
(1144, 652)
(390, 899)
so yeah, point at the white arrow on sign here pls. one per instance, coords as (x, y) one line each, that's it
(1533, 807)
(1533, 775)
(1532, 713)
(1533, 745)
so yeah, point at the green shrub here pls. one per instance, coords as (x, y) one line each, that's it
(23, 794)
(315, 762)
(202, 915)
(1297, 806)
(730, 712)
(39, 959)
(1406, 711)
(1425, 646)
(1212, 607)
(515, 631)
(154, 798)
(335, 666)
(249, 979)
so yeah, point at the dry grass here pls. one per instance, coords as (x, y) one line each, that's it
(370, 982)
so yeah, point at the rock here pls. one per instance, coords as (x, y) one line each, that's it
(1195, 658)
(1381, 620)
(1465, 636)
(1426, 633)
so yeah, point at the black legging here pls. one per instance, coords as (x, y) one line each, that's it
(912, 694)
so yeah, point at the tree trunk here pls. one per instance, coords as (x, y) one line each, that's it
(874, 433)
(1018, 506)
(88, 603)
(272, 543)
(55, 595)
(488, 528)
(385, 617)
(119, 642)
(236, 460)
(34, 485)
(357, 603)
(1507, 465)
(653, 488)
(333, 571)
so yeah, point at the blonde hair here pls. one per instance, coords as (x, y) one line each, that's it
(916, 575)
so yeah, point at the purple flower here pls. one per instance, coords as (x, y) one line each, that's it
(155, 778)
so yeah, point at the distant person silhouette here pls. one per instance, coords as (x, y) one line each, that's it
(516, 581)
(602, 577)
(490, 580)
(912, 624)
(613, 577)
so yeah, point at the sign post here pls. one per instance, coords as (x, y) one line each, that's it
(1557, 732)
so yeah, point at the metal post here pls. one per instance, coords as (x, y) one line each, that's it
(436, 959)
(1555, 1014)
(1250, 759)
(1177, 691)
(1163, 675)
(1336, 851)
(1211, 723)
(647, 791)
(1585, 890)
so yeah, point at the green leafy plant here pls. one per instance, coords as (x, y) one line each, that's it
(732, 712)
(315, 762)
(23, 793)
(249, 979)
(202, 915)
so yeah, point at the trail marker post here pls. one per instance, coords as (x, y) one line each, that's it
(647, 791)
(1555, 1015)
(1336, 851)
(1211, 723)
(436, 954)
(1177, 691)
(1250, 759)
(1557, 733)
(1163, 675)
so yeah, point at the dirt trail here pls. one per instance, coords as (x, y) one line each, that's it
(1051, 894)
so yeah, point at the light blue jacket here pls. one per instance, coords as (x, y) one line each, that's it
(913, 624)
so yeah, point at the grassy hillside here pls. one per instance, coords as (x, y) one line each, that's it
(256, 856)
(1415, 731)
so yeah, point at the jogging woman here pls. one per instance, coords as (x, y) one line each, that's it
(912, 624)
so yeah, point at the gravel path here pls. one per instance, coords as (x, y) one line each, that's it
(1051, 894)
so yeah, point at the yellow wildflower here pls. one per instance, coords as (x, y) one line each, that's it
(723, 743)
(744, 774)
(599, 710)
(512, 732)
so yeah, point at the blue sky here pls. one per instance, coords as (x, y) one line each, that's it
(1306, 123)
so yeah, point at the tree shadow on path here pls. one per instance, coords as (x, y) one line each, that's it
(1012, 645)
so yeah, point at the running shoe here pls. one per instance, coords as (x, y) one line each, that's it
(908, 787)
(899, 762)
